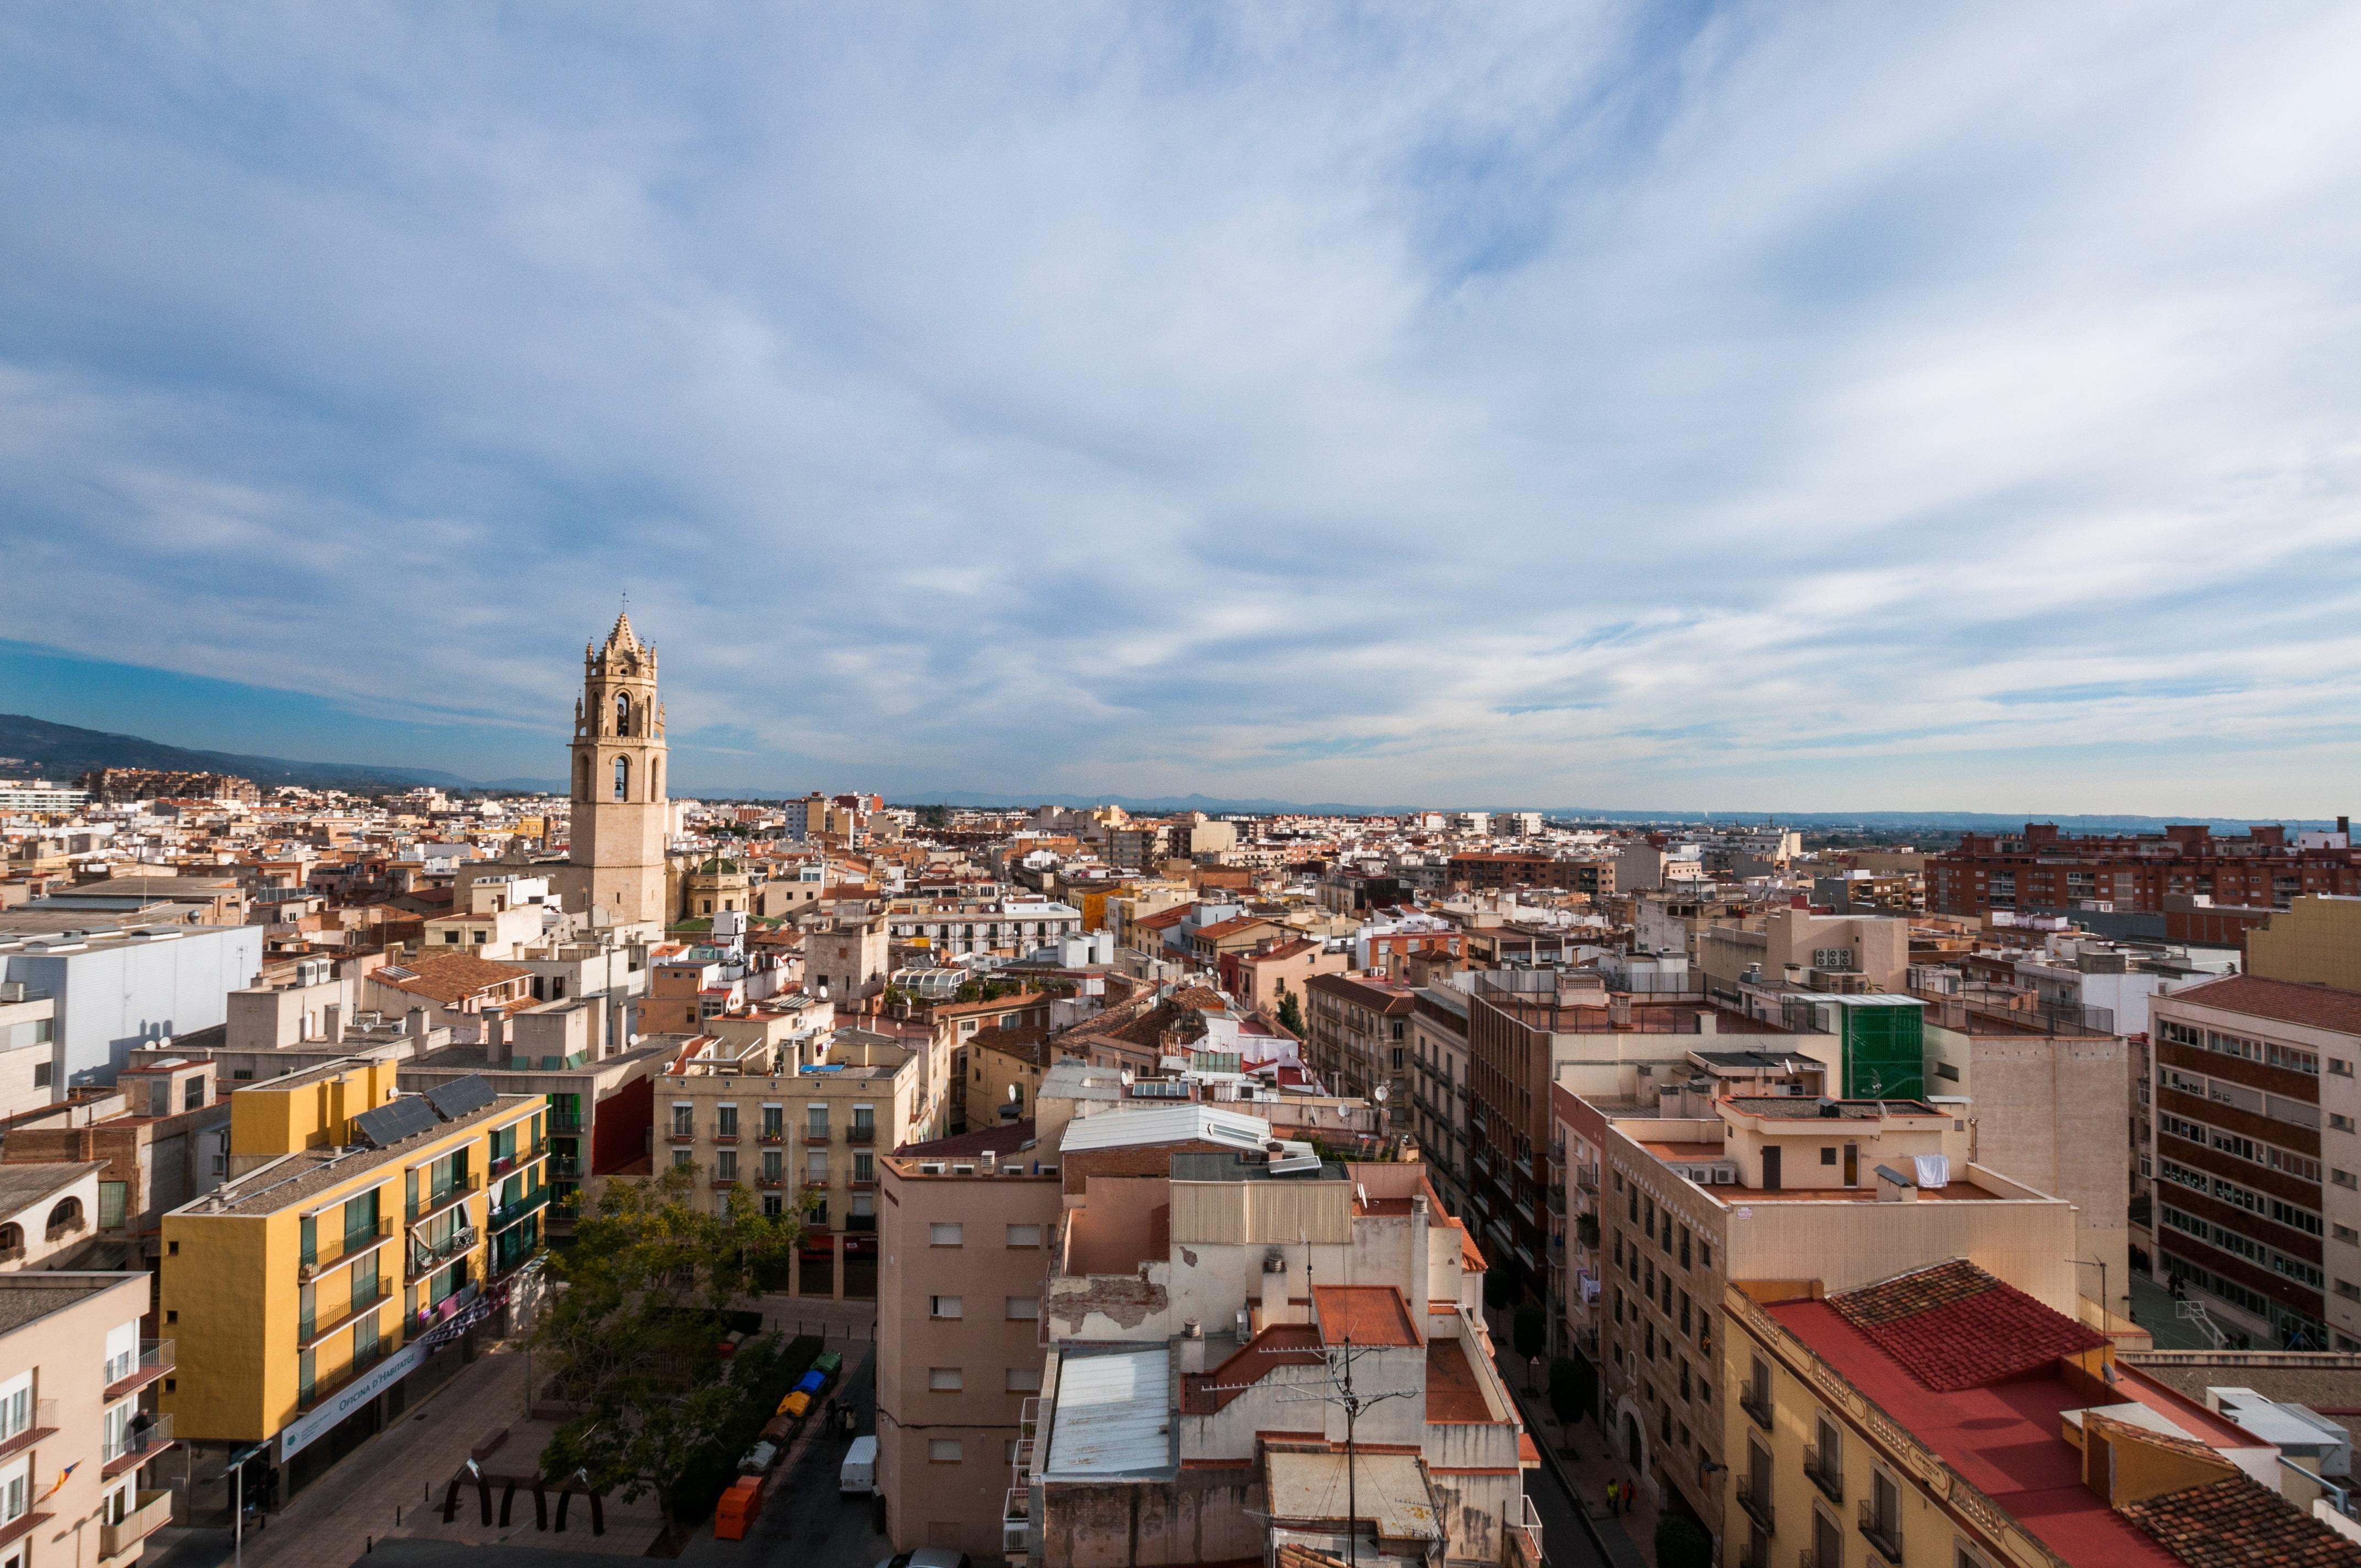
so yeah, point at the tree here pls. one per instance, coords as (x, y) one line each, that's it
(1529, 1332)
(1682, 1543)
(1572, 1389)
(1290, 1014)
(635, 1333)
(1495, 1288)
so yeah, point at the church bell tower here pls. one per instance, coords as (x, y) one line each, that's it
(618, 829)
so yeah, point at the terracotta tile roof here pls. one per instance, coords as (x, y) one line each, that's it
(1281, 1344)
(2321, 1006)
(1230, 927)
(1365, 1314)
(454, 977)
(2240, 1524)
(1954, 1326)
(1200, 999)
(1377, 996)
(1283, 951)
(1452, 1395)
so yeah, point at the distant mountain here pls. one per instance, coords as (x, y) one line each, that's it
(62, 751)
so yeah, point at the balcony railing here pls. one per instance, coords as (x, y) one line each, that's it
(1883, 1533)
(1757, 1404)
(860, 1223)
(152, 1512)
(1756, 1501)
(815, 1134)
(318, 1394)
(1827, 1476)
(156, 1358)
(45, 1424)
(355, 1244)
(134, 1447)
(443, 1198)
(65, 1228)
(518, 1160)
(565, 1124)
(860, 1134)
(1525, 1535)
(500, 1268)
(427, 1258)
(1016, 1522)
(565, 1167)
(680, 1134)
(774, 1135)
(722, 1135)
(508, 1214)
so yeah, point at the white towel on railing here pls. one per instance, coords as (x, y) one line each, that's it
(1934, 1170)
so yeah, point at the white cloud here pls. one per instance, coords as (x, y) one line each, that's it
(1562, 410)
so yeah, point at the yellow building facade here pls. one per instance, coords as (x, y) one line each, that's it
(357, 1223)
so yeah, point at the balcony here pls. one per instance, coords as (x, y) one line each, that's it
(1882, 1530)
(134, 1449)
(1756, 1500)
(680, 1134)
(774, 1135)
(1525, 1537)
(565, 1167)
(517, 1161)
(131, 1373)
(64, 1228)
(861, 1225)
(568, 1123)
(508, 1214)
(815, 1134)
(498, 1269)
(443, 1198)
(729, 1138)
(355, 1244)
(45, 1424)
(859, 1133)
(1756, 1403)
(318, 1394)
(153, 1512)
(1827, 1476)
(310, 1332)
(427, 1259)
(1016, 1523)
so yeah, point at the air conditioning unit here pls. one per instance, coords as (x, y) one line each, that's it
(1724, 1176)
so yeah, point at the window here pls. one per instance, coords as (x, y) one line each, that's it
(681, 1158)
(1022, 1380)
(2342, 1177)
(725, 1166)
(1828, 1153)
(684, 1121)
(1023, 1235)
(945, 1236)
(2339, 1124)
(945, 1380)
(725, 1121)
(2347, 1235)
(945, 1307)
(816, 1167)
(942, 1451)
(15, 1405)
(622, 778)
(774, 1122)
(41, 1074)
(1024, 1308)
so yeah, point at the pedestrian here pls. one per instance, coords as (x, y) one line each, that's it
(1610, 1499)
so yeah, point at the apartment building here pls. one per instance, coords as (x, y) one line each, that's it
(1746, 1189)
(1436, 1112)
(1799, 950)
(845, 958)
(1484, 873)
(2042, 868)
(1358, 1034)
(112, 991)
(343, 1199)
(1942, 1416)
(967, 1226)
(1201, 1307)
(2256, 1200)
(1276, 969)
(45, 1214)
(160, 1136)
(757, 1116)
(79, 1436)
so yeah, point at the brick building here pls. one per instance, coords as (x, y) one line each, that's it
(2043, 868)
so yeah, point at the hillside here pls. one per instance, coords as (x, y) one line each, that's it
(62, 751)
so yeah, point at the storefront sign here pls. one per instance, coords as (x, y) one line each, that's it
(303, 1431)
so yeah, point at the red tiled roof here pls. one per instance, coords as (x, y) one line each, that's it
(2320, 1006)
(1006, 1138)
(1365, 1314)
(1453, 1394)
(2237, 1523)
(1954, 1326)
(1230, 927)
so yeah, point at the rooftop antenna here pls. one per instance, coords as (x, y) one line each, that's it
(1338, 1390)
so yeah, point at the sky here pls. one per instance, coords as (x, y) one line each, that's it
(1746, 407)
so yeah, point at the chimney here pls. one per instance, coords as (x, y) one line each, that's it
(1274, 1309)
(414, 1023)
(1193, 1346)
(496, 1034)
(333, 1023)
(1619, 1010)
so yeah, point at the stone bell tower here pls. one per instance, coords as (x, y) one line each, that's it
(620, 812)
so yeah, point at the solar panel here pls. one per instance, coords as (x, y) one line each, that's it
(394, 1121)
(456, 1099)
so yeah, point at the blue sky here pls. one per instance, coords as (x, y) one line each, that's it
(1752, 407)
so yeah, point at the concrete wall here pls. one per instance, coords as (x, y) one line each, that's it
(115, 995)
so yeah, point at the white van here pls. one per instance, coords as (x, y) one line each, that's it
(858, 1476)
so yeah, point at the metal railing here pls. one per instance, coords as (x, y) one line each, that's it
(1757, 1404)
(426, 1257)
(858, 1134)
(138, 1441)
(355, 1244)
(44, 1422)
(508, 1214)
(1883, 1534)
(438, 1200)
(156, 1357)
(1756, 1501)
(1525, 1533)
(1828, 1477)
(519, 1159)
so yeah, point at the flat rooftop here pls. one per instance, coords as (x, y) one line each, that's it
(1959, 1189)
(310, 1171)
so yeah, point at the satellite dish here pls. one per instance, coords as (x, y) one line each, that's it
(1012, 1092)
(1126, 1078)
